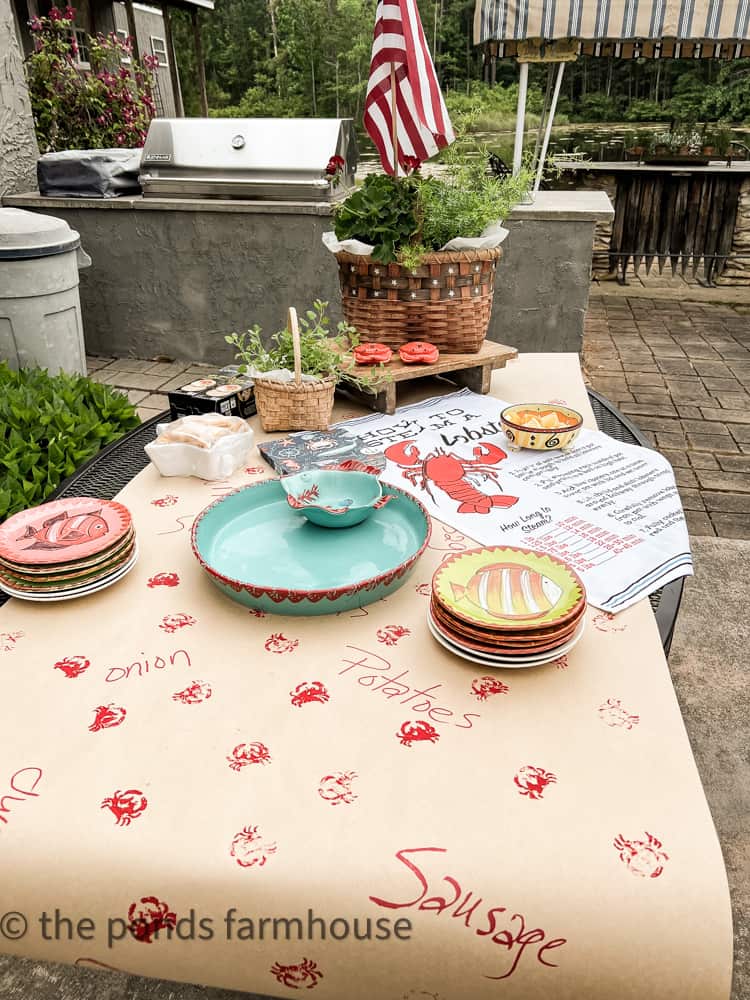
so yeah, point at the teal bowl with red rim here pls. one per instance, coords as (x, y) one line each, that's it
(259, 552)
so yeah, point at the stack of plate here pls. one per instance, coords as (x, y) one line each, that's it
(65, 549)
(507, 607)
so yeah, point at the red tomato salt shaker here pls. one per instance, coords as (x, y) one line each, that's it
(372, 354)
(418, 352)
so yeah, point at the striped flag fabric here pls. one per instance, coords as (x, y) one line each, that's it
(422, 123)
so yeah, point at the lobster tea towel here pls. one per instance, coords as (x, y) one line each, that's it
(610, 510)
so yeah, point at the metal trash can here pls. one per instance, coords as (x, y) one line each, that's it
(40, 310)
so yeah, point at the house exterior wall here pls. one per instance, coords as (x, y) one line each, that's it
(149, 24)
(18, 148)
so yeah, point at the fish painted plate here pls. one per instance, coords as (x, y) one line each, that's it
(84, 591)
(502, 637)
(495, 642)
(261, 553)
(72, 572)
(70, 568)
(63, 531)
(503, 587)
(506, 662)
(52, 584)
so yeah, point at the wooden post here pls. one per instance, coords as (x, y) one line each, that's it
(173, 75)
(198, 44)
(131, 29)
(394, 125)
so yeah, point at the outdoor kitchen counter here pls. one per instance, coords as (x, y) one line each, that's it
(172, 277)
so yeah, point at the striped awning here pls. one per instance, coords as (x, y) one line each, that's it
(697, 28)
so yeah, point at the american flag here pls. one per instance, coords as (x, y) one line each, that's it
(422, 123)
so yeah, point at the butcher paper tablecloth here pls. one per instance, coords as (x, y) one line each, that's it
(336, 804)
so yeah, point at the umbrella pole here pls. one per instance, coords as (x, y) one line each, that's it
(523, 80)
(548, 130)
(543, 117)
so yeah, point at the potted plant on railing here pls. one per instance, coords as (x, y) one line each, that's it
(297, 372)
(417, 255)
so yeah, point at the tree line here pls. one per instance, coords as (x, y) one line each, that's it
(281, 58)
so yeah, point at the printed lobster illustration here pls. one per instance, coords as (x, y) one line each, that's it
(453, 475)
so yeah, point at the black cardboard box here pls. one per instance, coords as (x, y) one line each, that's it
(225, 391)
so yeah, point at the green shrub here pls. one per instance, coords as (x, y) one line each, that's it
(644, 110)
(596, 108)
(49, 425)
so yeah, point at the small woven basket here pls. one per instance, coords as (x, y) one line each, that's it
(447, 300)
(297, 405)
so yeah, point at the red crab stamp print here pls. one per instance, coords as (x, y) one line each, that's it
(484, 687)
(391, 634)
(170, 623)
(337, 787)
(613, 714)
(107, 717)
(278, 643)
(304, 975)
(254, 470)
(425, 589)
(603, 622)
(245, 754)
(532, 781)
(644, 858)
(257, 613)
(148, 916)
(164, 580)
(8, 641)
(417, 732)
(194, 693)
(166, 501)
(562, 662)
(309, 691)
(250, 849)
(73, 666)
(126, 806)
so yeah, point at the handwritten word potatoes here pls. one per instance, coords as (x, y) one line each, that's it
(377, 674)
(498, 925)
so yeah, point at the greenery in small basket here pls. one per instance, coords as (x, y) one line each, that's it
(49, 425)
(404, 218)
(322, 353)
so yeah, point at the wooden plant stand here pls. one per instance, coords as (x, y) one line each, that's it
(474, 371)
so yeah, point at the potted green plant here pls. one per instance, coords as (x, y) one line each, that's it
(319, 361)
(424, 262)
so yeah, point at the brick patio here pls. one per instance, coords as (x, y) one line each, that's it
(681, 372)
(679, 369)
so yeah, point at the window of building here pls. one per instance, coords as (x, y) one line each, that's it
(81, 56)
(123, 37)
(159, 49)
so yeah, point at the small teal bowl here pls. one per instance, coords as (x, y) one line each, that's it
(332, 498)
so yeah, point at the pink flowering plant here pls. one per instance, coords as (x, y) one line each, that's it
(107, 105)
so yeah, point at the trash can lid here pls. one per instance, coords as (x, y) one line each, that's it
(25, 235)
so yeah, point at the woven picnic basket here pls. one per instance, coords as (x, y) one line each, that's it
(296, 405)
(447, 300)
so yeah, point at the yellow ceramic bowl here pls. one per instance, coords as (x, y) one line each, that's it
(520, 425)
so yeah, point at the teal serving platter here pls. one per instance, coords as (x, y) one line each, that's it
(261, 553)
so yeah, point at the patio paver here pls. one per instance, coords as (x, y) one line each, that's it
(681, 371)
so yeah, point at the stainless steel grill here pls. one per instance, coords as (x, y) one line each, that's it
(277, 159)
